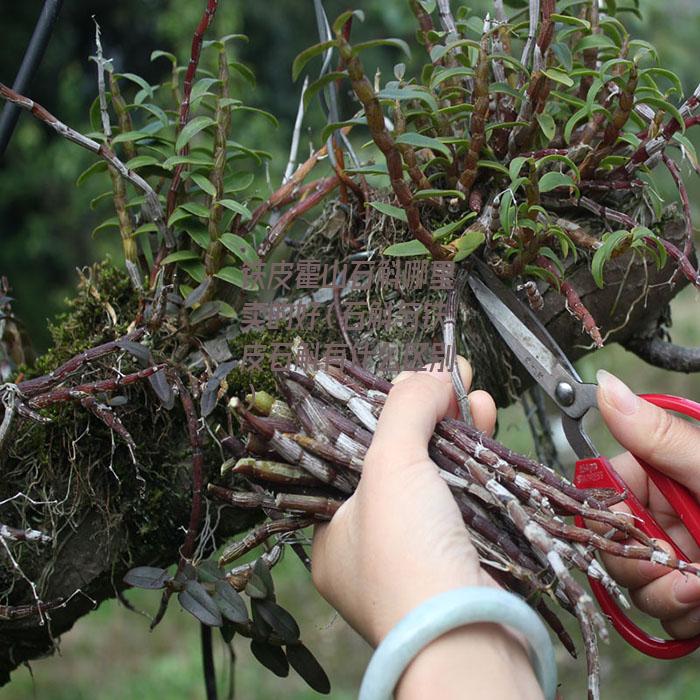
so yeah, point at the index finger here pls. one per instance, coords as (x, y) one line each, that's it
(665, 441)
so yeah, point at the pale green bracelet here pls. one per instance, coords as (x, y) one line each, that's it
(446, 612)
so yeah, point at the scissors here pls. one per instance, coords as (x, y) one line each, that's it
(539, 353)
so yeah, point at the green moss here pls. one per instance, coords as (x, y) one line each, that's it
(242, 377)
(104, 295)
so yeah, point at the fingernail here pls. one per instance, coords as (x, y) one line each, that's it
(616, 393)
(686, 590)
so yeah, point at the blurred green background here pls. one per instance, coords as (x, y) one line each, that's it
(45, 225)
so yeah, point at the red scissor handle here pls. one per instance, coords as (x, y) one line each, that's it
(599, 473)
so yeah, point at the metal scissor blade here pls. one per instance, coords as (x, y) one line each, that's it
(560, 383)
(524, 314)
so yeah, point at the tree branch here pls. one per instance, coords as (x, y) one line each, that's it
(664, 354)
(151, 201)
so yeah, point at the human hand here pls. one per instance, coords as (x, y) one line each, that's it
(671, 445)
(400, 538)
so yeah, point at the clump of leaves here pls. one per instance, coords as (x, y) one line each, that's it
(210, 596)
(516, 129)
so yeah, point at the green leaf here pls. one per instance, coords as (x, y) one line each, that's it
(197, 601)
(204, 184)
(369, 169)
(221, 42)
(643, 237)
(234, 276)
(136, 79)
(197, 209)
(565, 243)
(639, 232)
(551, 255)
(515, 166)
(238, 181)
(112, 222)
(443, 74)
(467, 244)
(556, 158)
(506, 90)
(199, 161)
(439, 50)
(256, 155)
(594, 41)
(507, 212)
(645, 46)
(140, 135)
(237, 207)
(191, 129)
(201, 87)
(178, 215)
(239, 247)
(199, 234)
(568, 99)
(546, 122)
(343, 18)
(141, 162)
(573, 122)
(411, 138)
(405, 249)
(610, 243)
(305, 664)
(390, 210)
(226, 310)
(99, 167)
(95, 201)
(150, 227)
(493, 165)
(558, 76)
(408, 93)
(244, 71)
(195, 269)
(553, 180)
(230, 602)
(180, 256)
(260, 112)
(271, 657)
(334, 126)
(575, 21)
(228, 102)
(614, 63)
(283, 624)
(397, 43)
(666, 106)
(307, 54)
(672, 78)
(453, 226)
(147, 577)
(163, 54)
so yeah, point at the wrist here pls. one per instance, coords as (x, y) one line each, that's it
(472, 651)
(487, 658)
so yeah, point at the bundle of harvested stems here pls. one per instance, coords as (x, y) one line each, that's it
(305, 456)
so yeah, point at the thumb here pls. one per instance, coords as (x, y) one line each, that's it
(666, 442)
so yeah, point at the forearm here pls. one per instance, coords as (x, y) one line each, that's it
(474, 661)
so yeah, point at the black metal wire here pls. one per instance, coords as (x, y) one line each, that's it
(30, 63)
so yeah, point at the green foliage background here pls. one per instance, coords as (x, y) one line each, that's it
(45, 225)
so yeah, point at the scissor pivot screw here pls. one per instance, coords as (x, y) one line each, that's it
(565, 393)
